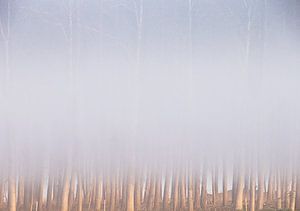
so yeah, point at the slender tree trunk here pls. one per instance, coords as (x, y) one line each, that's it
(157, 198)
(124, 192)
(137, 192)
(197, 192)
(216, 184)
(49, 191)
(57, 190)
(182, 190)
(293, 191)
(113, 194)
(246, 186)
(225, 182)
(65, 191)
(298, 192)
(288, 190)
(130, 193)
(28, 195)
(12, 205)
(1, 192)
(147, 189)
(261, 186)
(20, 192)
(234, 184)
(252, 190)
(239, 191)
(190, 191)
(107, 190)
(279, 200)
(118, 190)
(204, 189)
(151, 195)
(99, 194)
(175, 194)
(213, 188)
(79, 194)
(72, 190)
(166, 197)
(41, 193)
(270, 186)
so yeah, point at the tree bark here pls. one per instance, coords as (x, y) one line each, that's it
(99, 194)
(197, 192)
(190, 192)
(166, 197)
(270, 186)
(298, 192)
(252, 191)
(225, 182)
(79, 194)
(12, 205)
(65, 191)
(239, 191)
(130, 193)
(49, 192)
(293, 191)
(204, 189)
(41, 193)
(20, 192)
(175, 190)
(182, 190)
(157, 198)
(261, 186)
(279, 200)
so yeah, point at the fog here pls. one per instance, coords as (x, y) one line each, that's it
(136, 84)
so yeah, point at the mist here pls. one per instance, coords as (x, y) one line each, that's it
(126, 93)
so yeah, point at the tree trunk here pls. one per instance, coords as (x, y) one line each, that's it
(28, 194)
(151, 195)
(239, 191)
(190, 192)
(20, 192)
(204, 189)
(72, 190)
(216, 184)
(1, 192)
(166, 197)
(130, 193)
(293, 191)
(137, 193)
(12, 205)
(270, 186)
(261, 186)
(175, 194)
(213, 186)
(79, 194)
(65, 191)
(182, 191)
(279, 200)
(252, 191)
(234, 184)
(298, 192)
(157, 198)
(41, 194)
(113, 193)
(197, 192)
(99, 194)
(49, 192)
(225, 182)
(288, 189)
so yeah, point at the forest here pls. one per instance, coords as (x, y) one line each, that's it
(140, 105)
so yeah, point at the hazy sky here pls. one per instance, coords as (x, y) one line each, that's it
(220, 76)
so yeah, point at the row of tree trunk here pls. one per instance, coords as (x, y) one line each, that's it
(211, 188)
